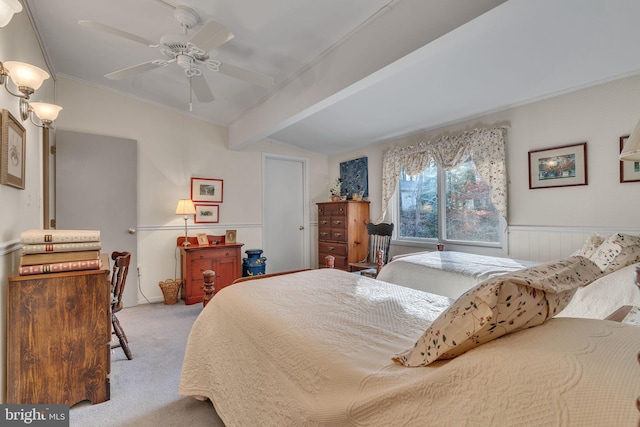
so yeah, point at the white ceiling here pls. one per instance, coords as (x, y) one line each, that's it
(421, 74)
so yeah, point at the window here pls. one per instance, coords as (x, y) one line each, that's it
(453, 205)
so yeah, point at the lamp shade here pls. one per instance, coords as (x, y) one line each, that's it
(7, 9)
(25, 74)
(45, 112)
(631, 150)
(185, 207)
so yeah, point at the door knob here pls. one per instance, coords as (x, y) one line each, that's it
(301, 227)
(132, 231)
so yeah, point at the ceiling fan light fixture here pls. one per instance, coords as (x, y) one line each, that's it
(186, 16)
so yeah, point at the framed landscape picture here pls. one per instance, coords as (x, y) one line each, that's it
(12, 156)
(206, 190)
(629, 169)
(206, 213)
(563, 166)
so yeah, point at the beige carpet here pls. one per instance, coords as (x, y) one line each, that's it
(144, 391)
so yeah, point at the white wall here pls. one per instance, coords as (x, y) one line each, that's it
(598, 115)
(19, 209)
(172, 148)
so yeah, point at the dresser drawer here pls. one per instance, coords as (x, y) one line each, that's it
(328, 248)
(339, 234)
(325, 234)
(333, 209)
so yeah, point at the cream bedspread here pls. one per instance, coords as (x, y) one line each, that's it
(447, 273)
(314, 349)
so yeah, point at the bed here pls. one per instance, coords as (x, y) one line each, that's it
(447, 273)
(322, 348)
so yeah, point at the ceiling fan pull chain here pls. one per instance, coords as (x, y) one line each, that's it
(190, 96)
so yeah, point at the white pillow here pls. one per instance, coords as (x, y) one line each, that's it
(604, 296)
(590, 245)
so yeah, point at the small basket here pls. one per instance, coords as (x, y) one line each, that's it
(170, 290)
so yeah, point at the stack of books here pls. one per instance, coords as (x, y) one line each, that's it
(55, 251)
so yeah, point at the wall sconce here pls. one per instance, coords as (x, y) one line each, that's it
(185, 207)
(631, 150)
(7, 9)
(28, 78)
(47, 113)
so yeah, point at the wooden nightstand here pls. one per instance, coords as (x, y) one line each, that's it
(225, 260)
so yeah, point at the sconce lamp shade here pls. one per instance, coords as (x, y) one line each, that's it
(631, 150)
(185, 207)
(25, 75)
(45, 112)
(7, 9)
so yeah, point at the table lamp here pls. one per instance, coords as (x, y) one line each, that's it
(185, 207)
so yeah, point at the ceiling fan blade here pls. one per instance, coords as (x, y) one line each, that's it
(201, 89)
(114, 31)
(244, 74)
(133, 70)
(210, 36)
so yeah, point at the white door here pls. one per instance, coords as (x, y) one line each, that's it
(96, 189)
(285, 225)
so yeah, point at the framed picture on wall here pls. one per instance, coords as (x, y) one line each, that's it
(206, 190)
(562, 166)
(206, 213)
(12, 156)
(629, 169)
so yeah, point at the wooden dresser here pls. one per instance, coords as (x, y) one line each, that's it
(59, 338)
(342, 232)
(224, 259)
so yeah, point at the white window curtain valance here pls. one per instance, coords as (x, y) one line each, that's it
(486, 147)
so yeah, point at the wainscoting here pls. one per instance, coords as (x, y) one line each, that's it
(548, 243)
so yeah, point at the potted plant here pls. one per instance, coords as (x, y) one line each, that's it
(335, 189)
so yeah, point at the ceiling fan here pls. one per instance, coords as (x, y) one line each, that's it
(190, 52)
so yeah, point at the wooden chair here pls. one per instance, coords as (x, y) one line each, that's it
(118, 280)
(379, 240)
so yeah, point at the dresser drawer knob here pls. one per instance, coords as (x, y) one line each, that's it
(324, 222)
(331, 248)
(337, 222)
(324, 234)
(338, 235)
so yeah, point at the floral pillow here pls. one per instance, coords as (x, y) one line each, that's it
(501, 305)
(617, 251)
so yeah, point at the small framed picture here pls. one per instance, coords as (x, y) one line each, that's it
(206, 190)
(230, 237)
(203, 240)
(563, 166)
(12, 156)
(206, 213)
(629, 169)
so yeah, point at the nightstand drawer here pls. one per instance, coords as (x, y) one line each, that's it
(198, 266)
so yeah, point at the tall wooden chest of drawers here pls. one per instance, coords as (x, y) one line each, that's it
(342, 232)
(59, 338)
(224, 260)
